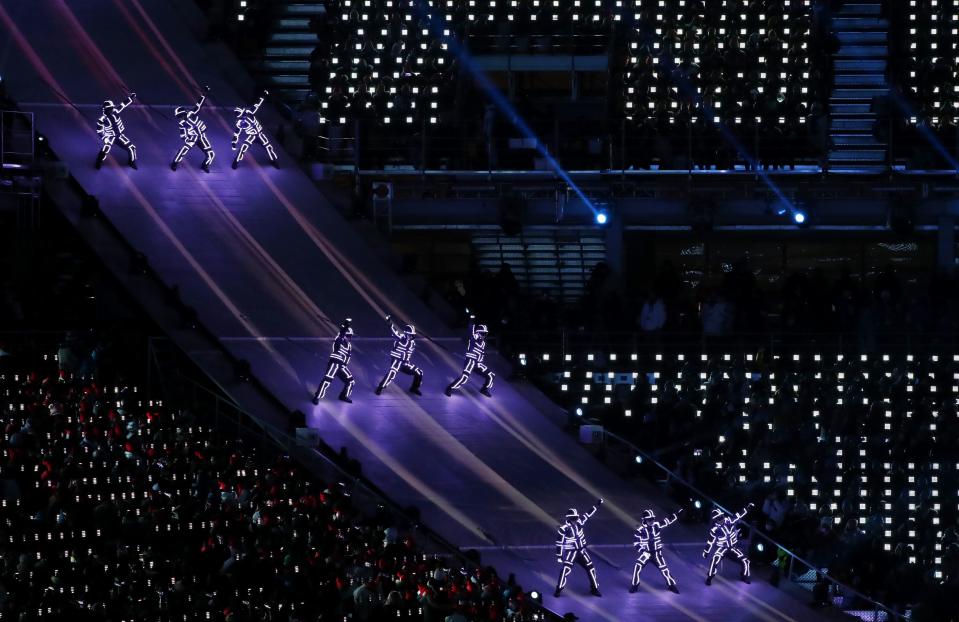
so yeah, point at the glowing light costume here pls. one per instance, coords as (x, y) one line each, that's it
(724, 535)
(339, 365)
(193, 130)
(400, 356)
(571, 549)
(250, 129)
(649, 544)
(111, 129)
(475, 354)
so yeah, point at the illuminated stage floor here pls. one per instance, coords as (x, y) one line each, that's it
(267, 262)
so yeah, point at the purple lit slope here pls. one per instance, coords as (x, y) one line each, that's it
(271, 268)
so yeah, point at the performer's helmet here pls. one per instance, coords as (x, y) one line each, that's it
(481, 330)
(571, 513)
(409, 329)
(717, 513)
(648, 515)
(108, 105)
(346, 328)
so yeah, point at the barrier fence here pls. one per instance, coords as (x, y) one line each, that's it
(562, 343)
(621, 146)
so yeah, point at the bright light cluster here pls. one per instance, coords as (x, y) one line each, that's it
(388, 42)
(667, 44)
(932, 67)
(845, 406)
(385, 46)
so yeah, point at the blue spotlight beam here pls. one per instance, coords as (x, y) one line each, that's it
(924, 130)
(498, 99)
(725, 132)
(442, 29)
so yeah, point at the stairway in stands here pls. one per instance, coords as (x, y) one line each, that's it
(860, 68)
(555, 263)
(286, 57)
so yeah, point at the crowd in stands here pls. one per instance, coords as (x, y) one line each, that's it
(683, 78)
(696, 72)
(118, 508)
(849, 449)
(384, 66)
(923, 73)
(530, 27)
(385, 62)
(807, 307)
(692, 84)
(851, 461)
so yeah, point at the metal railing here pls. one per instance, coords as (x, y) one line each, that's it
(17, 138)
(624, 147)
(531, 345)
(795, 568)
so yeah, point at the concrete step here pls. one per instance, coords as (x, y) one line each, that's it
(849, 109)
(855, 141)
(858, 94)
(292, 94)
(284, 38)
(860, 79)
(303, 8)
(859, 65)
(293, 23)
(862, 37)
(863, 51)
(285, 66)
(861, 10)
(300, 80)
(859, 23)
(858, 167)
(301, 51)
(857, 155)
(841, 125)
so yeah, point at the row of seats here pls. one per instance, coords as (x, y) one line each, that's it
(390, 61)
(922, 112)
(930, 48)
(746, 66)
(384, 60)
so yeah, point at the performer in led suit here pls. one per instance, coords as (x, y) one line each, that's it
(339, 365)
(475, 354)
(571, 549)
(110, 128)
(400, 356)
(193, 129)
(249, 127)
(723, 537)
(649, 543)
